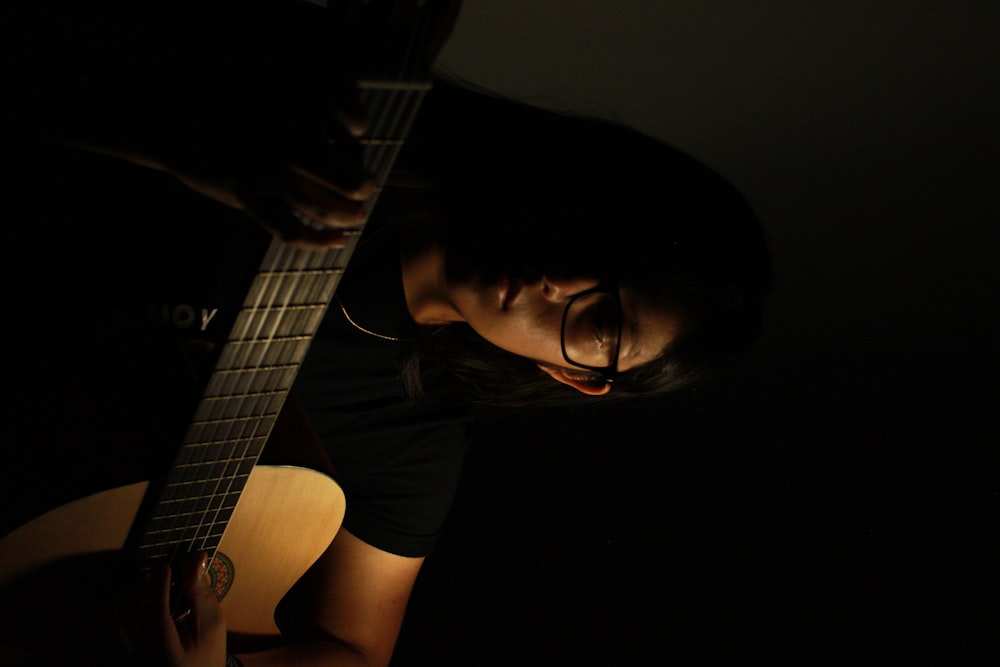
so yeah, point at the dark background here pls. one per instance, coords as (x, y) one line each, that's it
(836, 502)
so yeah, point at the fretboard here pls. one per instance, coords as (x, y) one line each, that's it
(260, 360)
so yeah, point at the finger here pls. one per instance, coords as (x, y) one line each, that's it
(336, 169)
(150, 635)
(322, 206)
(203, 631)
(274, 214)
(350, 112)
(160, 583)
(205, 609)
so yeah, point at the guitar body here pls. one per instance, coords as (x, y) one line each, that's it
(61, 573)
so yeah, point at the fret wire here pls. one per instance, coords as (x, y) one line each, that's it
(227, 407)
(378, 154)
(205, 424)
(215, 428)
(242, 395)
(399, 105)
(218, 433)
(172, 531)
(191, 503)
(268, 382)
(197, 472)
(206, 541)
(303, 271)
(191, 483)
(228, 421)
(184, 510)
(223, 456)
(218, 444)
(185, 520)
(393, 151)
(177, 508)
(293, 340)
(264, 368)
(378, 101)
(290, 349)
(292, 308)
(205, 536)
(221, 445)
(280, 323)
(186, 494)
(311, 288)
(188, 507)
(165, 519)
(235, 416)
(264, 379)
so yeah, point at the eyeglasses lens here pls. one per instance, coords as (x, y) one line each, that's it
(592, 330)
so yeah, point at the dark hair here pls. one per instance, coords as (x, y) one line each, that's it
(506, 186)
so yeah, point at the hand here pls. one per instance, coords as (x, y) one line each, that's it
(303, 180)
(197, 640)
(307, 199)
(278, 143)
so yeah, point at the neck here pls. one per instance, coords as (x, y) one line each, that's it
(424, 284)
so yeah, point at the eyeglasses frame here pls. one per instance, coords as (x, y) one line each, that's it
(609, 373)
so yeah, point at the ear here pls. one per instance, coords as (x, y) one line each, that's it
(578, 381)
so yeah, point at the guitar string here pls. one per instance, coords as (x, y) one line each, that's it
(297, 258)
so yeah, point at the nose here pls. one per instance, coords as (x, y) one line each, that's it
(561, 288)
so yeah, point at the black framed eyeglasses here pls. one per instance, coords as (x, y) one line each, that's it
(591, 332)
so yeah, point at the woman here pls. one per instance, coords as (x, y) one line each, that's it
(528, 301)
(516, 258)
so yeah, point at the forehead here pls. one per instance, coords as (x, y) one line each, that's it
(649, 325)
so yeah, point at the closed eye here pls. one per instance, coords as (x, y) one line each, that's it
(605, 318)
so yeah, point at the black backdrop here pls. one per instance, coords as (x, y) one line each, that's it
(837, 501)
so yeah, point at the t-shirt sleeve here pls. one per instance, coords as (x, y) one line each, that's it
(400, 476)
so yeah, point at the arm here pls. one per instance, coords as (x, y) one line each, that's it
(347, 610)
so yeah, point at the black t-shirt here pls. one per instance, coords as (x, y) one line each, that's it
(398, 461)
(106, 258)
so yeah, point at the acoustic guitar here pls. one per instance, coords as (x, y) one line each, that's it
(262, 526)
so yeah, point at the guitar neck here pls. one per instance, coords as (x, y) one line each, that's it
(256, 368)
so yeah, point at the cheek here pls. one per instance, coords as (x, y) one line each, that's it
(534, 336)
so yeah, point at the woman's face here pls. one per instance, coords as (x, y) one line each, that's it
(525, 318)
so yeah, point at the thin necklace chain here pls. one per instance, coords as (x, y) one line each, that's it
(361, 328)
